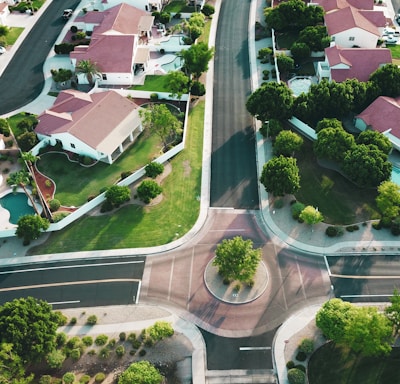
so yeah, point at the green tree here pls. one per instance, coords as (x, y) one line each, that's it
(311, 215)
(296, 376)
(154, 169)
(158, 119)
(286, 143)
(141, 372)
(369, 332)
(160, 330)
(328, 123)
(333, 144)
(68, 378)
(31, 326)
(88, 68)
(375, 138)
(367, 166)
(393, 311)
(388, 199)
(300, 51)
(4, 30)
(11, 366)
(61, 75)
(30, 227)
(148, 190)
(117, 195)
(196, 59)
(333, 317)
(271, 101)
(27, 141)
(280, 176)
(387, 79)
(316, 37)
(236, 259)
(178, 83)
(285, 63)
(55, 359)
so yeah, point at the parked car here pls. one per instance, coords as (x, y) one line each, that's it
(2, 50)
(390, 39)
(67, 14)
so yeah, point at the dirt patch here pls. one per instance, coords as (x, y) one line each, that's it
(187, 169)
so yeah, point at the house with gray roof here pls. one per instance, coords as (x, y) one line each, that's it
(98, 125)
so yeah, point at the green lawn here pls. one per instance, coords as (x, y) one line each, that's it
(339, 200)
(76, 183)
(178, 6)
(155, 83)
(395, 49)
(12, 35)
(14, 120)
(134, 226)
(286, 39)
(338, 365)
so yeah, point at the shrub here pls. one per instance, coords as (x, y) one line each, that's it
(377, 225)
(84, 379)
(105, 353)
(162, 51)
(290, 364)
(136, 344)
(386, 222)
(61, 319)
(91, 320)
(92, 352)
(61, 339)
(99, 377)
(301, 356)
(125, 174)
(154, 169)
(208, 10)
(87, 341)
(75, 354)
(301, 367)
(111, 343)
(265, 74)
(142, 352)
(74, 342)
(306, 346)
(132, 337)
(132, 352)
(120, 350)
(56, 380)
(45, 379)
(73, 321)
(296, 209)
(349, 228)
(332, 231)
(73, 29)
(198, 89)
(54, 205)
(154, 97)
(148, 190)
(122, 336)
(278, 204)
(80, 35)
(295, 376)
(68, 378)
(101, 340)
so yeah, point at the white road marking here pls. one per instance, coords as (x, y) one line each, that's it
(254, 348)
(365, 277)
(170, 278)
(229, 230)
(138, 291)
(190, 281)
(388, 295)
(327, 265)
(70, 266)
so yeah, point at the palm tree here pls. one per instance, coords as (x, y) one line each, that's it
(22, 179)
(89, 69)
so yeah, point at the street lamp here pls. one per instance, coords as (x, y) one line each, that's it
(267, 122)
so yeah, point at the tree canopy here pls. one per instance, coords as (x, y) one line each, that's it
(311, 215)
(363, 329)
(272, 100)
(141, 372)
(88, 68)
(387, 79)
(328, 123)
(30, 325)
(376, 138)
(158, 119)
(388, 199)
(117, 195)
(236, 259)
(178, 83)
(30, 227)
(393, 311)
(286, 143)
(316, 37)
(196, 59)
(367, 166)
(280, 176)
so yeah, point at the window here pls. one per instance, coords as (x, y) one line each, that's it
(72, 145)
(104, 76)
(333, 38)
(352, 38)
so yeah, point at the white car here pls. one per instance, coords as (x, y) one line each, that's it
(390, 39)
(2, 50)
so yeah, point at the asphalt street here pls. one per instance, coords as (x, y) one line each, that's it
(233, 159)
(76, 284)
(23, 79)
(366, 278)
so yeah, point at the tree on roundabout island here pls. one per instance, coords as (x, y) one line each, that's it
(236, 259)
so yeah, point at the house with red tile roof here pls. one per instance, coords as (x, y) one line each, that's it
(352, 63)
(382, 115)
(117, 44)
(145, 5)
(98, 125)
(331, 5)
(350, 27)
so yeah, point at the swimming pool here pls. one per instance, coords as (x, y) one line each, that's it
(17, 205)
(300, 84)
(172, 41)
(174, 65)
(395, 175)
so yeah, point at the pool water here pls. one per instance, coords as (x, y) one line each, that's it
(172, 41)
(174, 65)
(396, 175)
(300, 85)
(17, 205)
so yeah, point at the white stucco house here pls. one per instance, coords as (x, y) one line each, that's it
(118, 43)
(382, 115)
(145, 5)
(4, 12)
(350, 27)
(98, 125)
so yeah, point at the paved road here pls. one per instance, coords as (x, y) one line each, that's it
(365, 278)
(233, 160)
(76, 284)
(23, 79)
